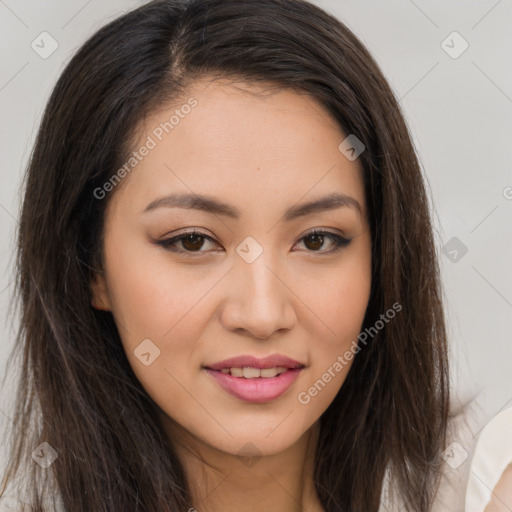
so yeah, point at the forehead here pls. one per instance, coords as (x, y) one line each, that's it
(248, 143)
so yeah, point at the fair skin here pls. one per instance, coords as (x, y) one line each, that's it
(261, 155)
(501, 497)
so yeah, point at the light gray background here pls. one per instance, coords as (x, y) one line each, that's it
(459, 111)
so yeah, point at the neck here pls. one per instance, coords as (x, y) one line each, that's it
(220, 481)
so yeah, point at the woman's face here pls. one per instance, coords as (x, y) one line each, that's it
(251, 175)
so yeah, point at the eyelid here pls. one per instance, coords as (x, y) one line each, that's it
(322, 230)
(189, 231)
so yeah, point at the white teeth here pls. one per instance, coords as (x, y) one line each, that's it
(237, 372)
(253, 373)
(268, 372)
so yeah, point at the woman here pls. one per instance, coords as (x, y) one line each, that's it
(229, 290)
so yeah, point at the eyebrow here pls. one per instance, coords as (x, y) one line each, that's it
(212, 205)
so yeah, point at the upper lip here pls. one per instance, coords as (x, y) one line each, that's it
(255, 362)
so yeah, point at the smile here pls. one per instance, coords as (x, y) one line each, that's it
(247, 372)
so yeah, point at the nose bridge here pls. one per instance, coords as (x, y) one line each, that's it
(259, 302)
(258, 279)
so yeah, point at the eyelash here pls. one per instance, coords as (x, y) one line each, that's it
(339, 241)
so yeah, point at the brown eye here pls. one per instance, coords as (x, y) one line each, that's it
(314, 241)
(192, 242)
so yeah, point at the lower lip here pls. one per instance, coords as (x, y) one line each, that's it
(256, 390)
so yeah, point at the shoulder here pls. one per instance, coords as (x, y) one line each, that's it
(460, 446)
(491, 467)
(465, 417)
(10, 503)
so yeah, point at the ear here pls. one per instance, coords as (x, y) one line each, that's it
(100, 293)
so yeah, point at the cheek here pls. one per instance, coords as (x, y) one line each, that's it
(160, 316)
(151, 297)
(339, 296)
(339, 299)
(152, 300)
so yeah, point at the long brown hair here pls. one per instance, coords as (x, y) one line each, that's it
(77, 391)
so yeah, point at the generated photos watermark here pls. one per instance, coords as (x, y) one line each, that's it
(157, 135)
(343, 360)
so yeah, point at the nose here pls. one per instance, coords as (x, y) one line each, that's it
(259, 302)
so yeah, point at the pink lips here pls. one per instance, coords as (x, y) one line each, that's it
(259, 389)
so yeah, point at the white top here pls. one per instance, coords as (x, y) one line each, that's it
(492, 455)
(457, 456)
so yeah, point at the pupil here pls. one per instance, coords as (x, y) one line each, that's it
(319, 239)
(190, 240)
